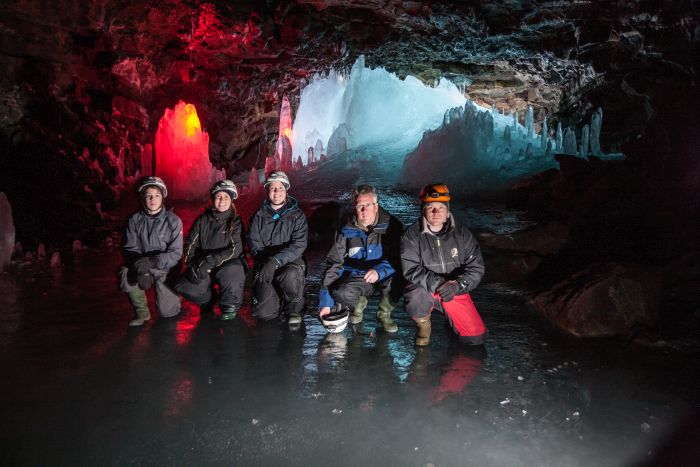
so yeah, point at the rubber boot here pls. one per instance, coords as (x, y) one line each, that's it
(141, 313)
(384, 315)
(358, 311)
(228, 313)
(423, 331)
(294, 319)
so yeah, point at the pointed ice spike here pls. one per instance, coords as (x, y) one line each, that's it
(596, 123)
(559, 138)
(585, 135)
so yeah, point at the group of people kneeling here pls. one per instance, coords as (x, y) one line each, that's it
(434, 264)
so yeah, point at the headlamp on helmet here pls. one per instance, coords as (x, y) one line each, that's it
(435, 192)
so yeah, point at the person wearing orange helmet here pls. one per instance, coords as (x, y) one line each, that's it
(442, 262)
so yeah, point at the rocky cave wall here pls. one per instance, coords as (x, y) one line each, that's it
(83, 85)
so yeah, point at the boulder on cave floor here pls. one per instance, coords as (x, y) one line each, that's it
(602, 300)
(545, 239)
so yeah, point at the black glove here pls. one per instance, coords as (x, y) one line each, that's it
(268, 271)
(448, 290)
(192, 274)
(143, 265)
(145, 281)
(464, 285)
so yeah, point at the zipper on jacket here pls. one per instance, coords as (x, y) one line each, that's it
(442, 261)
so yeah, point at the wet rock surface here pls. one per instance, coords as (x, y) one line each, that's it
(603, 300)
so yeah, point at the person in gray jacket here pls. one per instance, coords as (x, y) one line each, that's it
(442, 262)
(152, 248)
(213, 254)
(277, 238)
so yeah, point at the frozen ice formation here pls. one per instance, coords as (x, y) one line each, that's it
(477, 150)
(375, 105)
(7, 231)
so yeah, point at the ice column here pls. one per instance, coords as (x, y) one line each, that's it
(596, 123)
(7, 231)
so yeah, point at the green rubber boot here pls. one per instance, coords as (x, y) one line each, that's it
(386, 306)
(358, 311)
(423, 332)
(228, 313)
(141, 313)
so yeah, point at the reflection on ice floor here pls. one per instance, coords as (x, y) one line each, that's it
(81, 388)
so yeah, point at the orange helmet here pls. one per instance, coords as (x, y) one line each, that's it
(435, 192)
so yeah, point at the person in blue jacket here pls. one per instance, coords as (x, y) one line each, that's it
(365, 256)
(152, 248)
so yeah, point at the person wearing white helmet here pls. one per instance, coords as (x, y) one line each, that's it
(152, 250)
(213, 254)
(277, 238)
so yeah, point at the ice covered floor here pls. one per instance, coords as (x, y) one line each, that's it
(79, 388)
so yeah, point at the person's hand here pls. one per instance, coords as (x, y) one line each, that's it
(448, 290)
(371, 276)
(195, 274)
(326, 310)
(144, 281)
(268, 271)
(143, 265)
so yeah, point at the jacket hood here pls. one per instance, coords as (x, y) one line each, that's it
(290, 205)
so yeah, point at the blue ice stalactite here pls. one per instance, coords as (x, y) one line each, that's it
(544, 134)
(596, 123)
(584, 141)
(506, 136)
(530, 122)
(548, 151)
(570, 141)
(559, 138)
(514, 113)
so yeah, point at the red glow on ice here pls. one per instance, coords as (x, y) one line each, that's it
(182, 153)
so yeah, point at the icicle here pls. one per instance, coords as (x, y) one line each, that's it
(544, 134)
(596, 123)
(559, 138)
(528, 151)
(506, 136)
(585, 134)
(529, 122)
(570, 141)
(56, 260)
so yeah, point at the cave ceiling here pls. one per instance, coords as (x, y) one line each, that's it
(93, 78)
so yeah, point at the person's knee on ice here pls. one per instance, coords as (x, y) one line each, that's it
(277, 237)
(363, 259)
(152, 248)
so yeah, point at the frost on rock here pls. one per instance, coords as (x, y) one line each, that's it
(7, 231)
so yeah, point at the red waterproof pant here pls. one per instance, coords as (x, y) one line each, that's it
(460, 312)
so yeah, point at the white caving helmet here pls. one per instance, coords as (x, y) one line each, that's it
(153, 182)
(337, 320)
(225, 185)
(278, 176)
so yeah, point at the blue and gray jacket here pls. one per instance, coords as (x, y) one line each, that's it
(356, 251)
